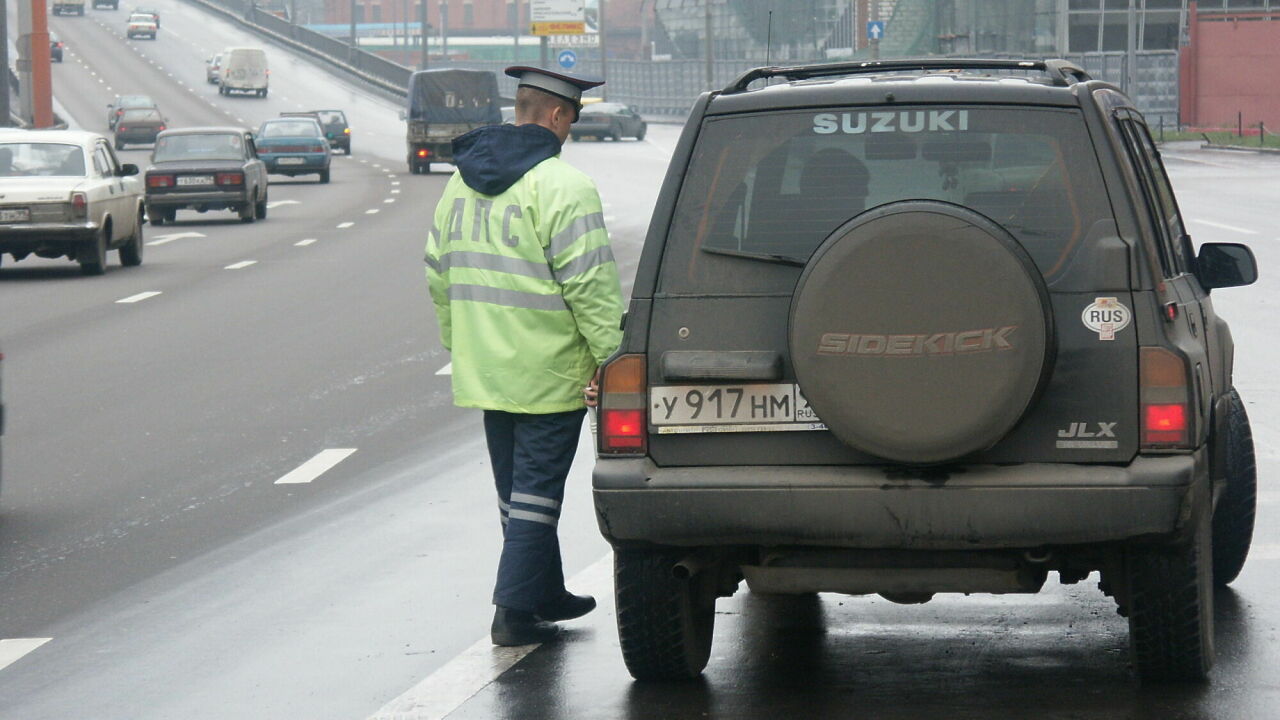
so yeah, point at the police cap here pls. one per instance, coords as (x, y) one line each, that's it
(569, 87)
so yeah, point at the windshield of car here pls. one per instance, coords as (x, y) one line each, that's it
(141, 18)
(41, 159)
(199, 146)
(127, 101)
(775, 186)
(332, 118)
(604, 108)
(289, 128)
(141, 115)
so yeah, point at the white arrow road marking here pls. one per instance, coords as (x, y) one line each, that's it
(278, 203)
(345, 225)
(316, 466)
(241, 264)
(162, 239)
(139, 297)
(13, 649)
(445, 690)
(304, 243)
(1224, 226)
(446, 370)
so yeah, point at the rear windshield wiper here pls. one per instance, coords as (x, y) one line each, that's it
(766, 257)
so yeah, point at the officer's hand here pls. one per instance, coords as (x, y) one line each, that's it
(591, 392)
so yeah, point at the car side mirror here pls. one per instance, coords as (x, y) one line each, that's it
(403, 116)
(127, 169)
(1220, 265)
(634, 108)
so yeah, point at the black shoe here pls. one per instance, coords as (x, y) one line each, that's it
(567, 607)
(514, 627)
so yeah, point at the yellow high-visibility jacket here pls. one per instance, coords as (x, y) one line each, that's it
(525, 288)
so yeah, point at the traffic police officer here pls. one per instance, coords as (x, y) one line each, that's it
(526, 291)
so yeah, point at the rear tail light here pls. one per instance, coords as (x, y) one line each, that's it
(346, 131)
(121, 128)
(1166, 400)
(160, 181)
(229, 179)
(423, 152)
(79, 204)
(160, 129)
(623, 401)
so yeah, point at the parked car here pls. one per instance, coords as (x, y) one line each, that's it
(244, 70)
(155, 14)
(211, 71)
(608, 120)
(55, 47)
(63, 193)
(141, 26)
(138, 125)
(294, 146)
(924, 326)
(123, 102)
(68, 7)
(206, 168)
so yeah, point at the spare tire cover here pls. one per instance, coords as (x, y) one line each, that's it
(921, 332)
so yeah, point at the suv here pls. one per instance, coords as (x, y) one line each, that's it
(915, 327)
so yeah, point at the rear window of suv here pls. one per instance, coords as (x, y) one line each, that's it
(773, 186)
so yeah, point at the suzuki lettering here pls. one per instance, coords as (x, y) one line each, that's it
(911, 121)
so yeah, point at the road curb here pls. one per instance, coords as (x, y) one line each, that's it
(1240, 148)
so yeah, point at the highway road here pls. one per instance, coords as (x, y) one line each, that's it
(152, 566)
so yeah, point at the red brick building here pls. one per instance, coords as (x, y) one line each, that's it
(476, 17)
(1229, 67)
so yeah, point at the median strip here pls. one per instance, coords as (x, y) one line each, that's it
(316, 466)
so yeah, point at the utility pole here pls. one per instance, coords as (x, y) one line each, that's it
(6, 112)
(351, 48)
(444, 30)
(706, 21)
(875, 41)
(424, 32)
(515, 32)
(1130, 47)
(604, 52)
(34, 72)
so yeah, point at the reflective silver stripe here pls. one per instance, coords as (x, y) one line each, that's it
(503, 506)
(566, 237)
(435, 234)
(535, 517)
(507, 298)
(582, 263)
(498, 263)
(534, 500)
(504, 519)
(432, 263)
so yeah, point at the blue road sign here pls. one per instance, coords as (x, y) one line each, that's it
(875, 29)
(567, 59)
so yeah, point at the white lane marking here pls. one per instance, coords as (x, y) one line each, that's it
(1224, 226)
(316, 466)
(139, 297)
(241, 264)
(371, 211)
(162, 239)
(304, 243)
(392, 175)
(278, 203)
(345, 225)
(395, 192)
(460, 679)
(446, 370)
(388, 201)
(397, 182)
(13, 649)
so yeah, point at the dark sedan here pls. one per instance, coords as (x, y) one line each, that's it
(608, 120)
(138, 125)
(124, 102)
(206, 168)
(55, 48)
(294, 146)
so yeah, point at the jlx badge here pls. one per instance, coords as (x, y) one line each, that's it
(1106, 316)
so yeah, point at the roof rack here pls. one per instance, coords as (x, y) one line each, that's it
(1062, 72)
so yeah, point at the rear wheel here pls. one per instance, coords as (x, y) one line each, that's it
(640, 133)
(131, 251)
(665, 624)
(261, 208)
(247, 212)
(1171, 605)
(156, 217)
(93, 255)
(615, 133)
(1233, 517)
(119, 145)
(324, 176)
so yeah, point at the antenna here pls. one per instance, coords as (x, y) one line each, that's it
(768, 42)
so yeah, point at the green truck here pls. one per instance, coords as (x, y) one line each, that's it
(444, 104)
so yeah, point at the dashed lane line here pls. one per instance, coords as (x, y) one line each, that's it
(139, 297)
(395, 192)
(14, 649)
(388, 201)
(304, 243)
(277, 203)
(241, 265)
(371, 211)
(324, 461)
(162, 239)
(345, 225)
(446, 370)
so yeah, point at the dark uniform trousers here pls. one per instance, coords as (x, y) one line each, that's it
(531, 455)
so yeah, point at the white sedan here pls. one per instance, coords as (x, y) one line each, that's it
(142, 25)
(63, 193)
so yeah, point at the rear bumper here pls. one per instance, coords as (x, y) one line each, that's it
(148, 136)
(980, 507)
(310, 164)
(438, 151)
(31, 238)
(210, 199)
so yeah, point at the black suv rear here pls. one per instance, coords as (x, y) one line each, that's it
(914, 327)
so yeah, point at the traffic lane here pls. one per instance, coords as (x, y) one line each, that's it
(132, 418)
(1058, 655)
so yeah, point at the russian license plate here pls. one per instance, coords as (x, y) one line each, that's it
(195, 179)
(291, 161)
(730, 408)
(15, 215)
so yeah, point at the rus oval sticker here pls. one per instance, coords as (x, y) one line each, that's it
(1106, 316)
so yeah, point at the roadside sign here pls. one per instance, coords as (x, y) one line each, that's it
(575, 41)
(558, 27)
(557, 17)
(875, 29)
(567, 59)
